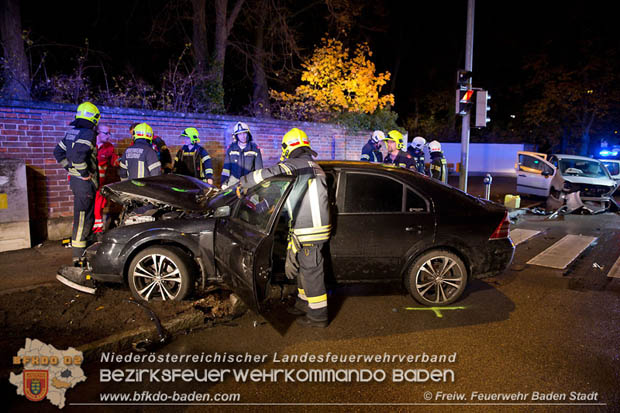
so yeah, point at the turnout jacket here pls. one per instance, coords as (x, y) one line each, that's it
(139, 161)
(418, 158)
(163, 153)
(240, 162)
(439, 167)
(307, 203)
(370, 153)
(193, 161)
(77, 151)
(403, 159)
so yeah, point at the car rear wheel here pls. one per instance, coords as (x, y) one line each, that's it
(160, 273)
(437, 277)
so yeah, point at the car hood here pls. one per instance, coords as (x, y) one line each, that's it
(176, 191)
(589, 181)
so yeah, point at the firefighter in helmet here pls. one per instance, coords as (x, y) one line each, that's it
(416, 150)
(439, 167)
(242, 157)
(309, 224)
(396, 156)
(192, 159)
(140, 159)
(371, 152)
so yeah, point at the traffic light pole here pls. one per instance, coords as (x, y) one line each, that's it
(469, 53)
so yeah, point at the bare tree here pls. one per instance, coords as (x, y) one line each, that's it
(14, 63)
(224, 22)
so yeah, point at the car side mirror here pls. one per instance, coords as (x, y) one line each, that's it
(222, 212)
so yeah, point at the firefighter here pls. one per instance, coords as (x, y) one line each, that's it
(439, 167)
(77, 153)
(192, 159)
(371, 152)
(160, 148)
(309, 225)
(242, 156)
(416, 150)
(395, 154)
(140, 160)
(106, 159)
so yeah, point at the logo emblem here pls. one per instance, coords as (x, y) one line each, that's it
(35, 384)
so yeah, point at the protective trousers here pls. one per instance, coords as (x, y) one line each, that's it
(100, 203)
(307, 263)
(83, 214)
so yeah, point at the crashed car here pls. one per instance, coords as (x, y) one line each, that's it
(585, 182)
(389, 225)
(613, 167)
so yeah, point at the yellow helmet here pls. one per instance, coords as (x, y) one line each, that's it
(88, 111)
(397, 137)
(293, 139)
(191, 133)
(143, 131)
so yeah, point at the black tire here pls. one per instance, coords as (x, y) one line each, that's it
(427, 282)
(143, 276)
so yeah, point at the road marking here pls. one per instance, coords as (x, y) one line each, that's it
(615, 270)
(436, 310)
(521, 235)
(563, 252)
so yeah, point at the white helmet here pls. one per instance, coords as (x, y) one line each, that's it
(434, 146)
(240, 127)
(418, 142)
(378, 136)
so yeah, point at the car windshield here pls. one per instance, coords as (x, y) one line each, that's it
(582, 167)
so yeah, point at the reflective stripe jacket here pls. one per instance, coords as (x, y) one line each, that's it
(418, 158)
(139, 161)
(106, 157)
(307, 204)
(239, 162)
(403, 159)
(370, 153)
(193, 161)
(439, 167)
(77, 153)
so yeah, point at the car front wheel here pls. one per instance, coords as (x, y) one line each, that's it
(437, 277)
(160, 273)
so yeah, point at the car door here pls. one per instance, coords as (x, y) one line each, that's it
(534, 173)
(244, 240)
(379, 220)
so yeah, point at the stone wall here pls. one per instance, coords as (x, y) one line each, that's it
(30, 131)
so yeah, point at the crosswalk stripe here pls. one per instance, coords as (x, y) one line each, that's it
(521, 235)
(563, 252)
(615, 270)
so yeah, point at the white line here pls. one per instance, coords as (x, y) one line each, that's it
(521, 235)
(563, 252)
(338, 404)
(615, 270)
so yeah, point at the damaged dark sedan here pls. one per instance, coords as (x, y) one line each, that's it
(389, 225)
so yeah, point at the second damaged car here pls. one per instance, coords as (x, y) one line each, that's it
(389, 225)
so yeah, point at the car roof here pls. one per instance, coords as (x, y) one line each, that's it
(577, 157)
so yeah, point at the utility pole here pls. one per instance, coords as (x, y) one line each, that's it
(469, 57)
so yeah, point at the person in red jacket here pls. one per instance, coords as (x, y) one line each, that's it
(107, 159)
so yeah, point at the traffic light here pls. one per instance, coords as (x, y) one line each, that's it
(463, 101)
(482, 108)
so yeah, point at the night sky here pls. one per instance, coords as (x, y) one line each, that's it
(427, 38)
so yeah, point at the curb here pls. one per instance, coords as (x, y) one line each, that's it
(122, 341)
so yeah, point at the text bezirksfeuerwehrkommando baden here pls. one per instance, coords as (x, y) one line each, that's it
(111, 357)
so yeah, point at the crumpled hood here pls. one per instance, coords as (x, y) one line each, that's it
(589, 181)
(176, 191)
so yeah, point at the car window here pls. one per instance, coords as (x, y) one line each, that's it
(581, 167)
(528, 163)
(613, 167)
(372, 193)
(258, 205)
(415, 203)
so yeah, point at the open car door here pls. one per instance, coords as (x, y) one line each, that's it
(244, 240)
(534, 173)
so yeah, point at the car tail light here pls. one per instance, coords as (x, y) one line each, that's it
(503, 229)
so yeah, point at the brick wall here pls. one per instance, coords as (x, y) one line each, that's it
(30, 131)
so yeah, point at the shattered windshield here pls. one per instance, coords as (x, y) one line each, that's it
(581, 167)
